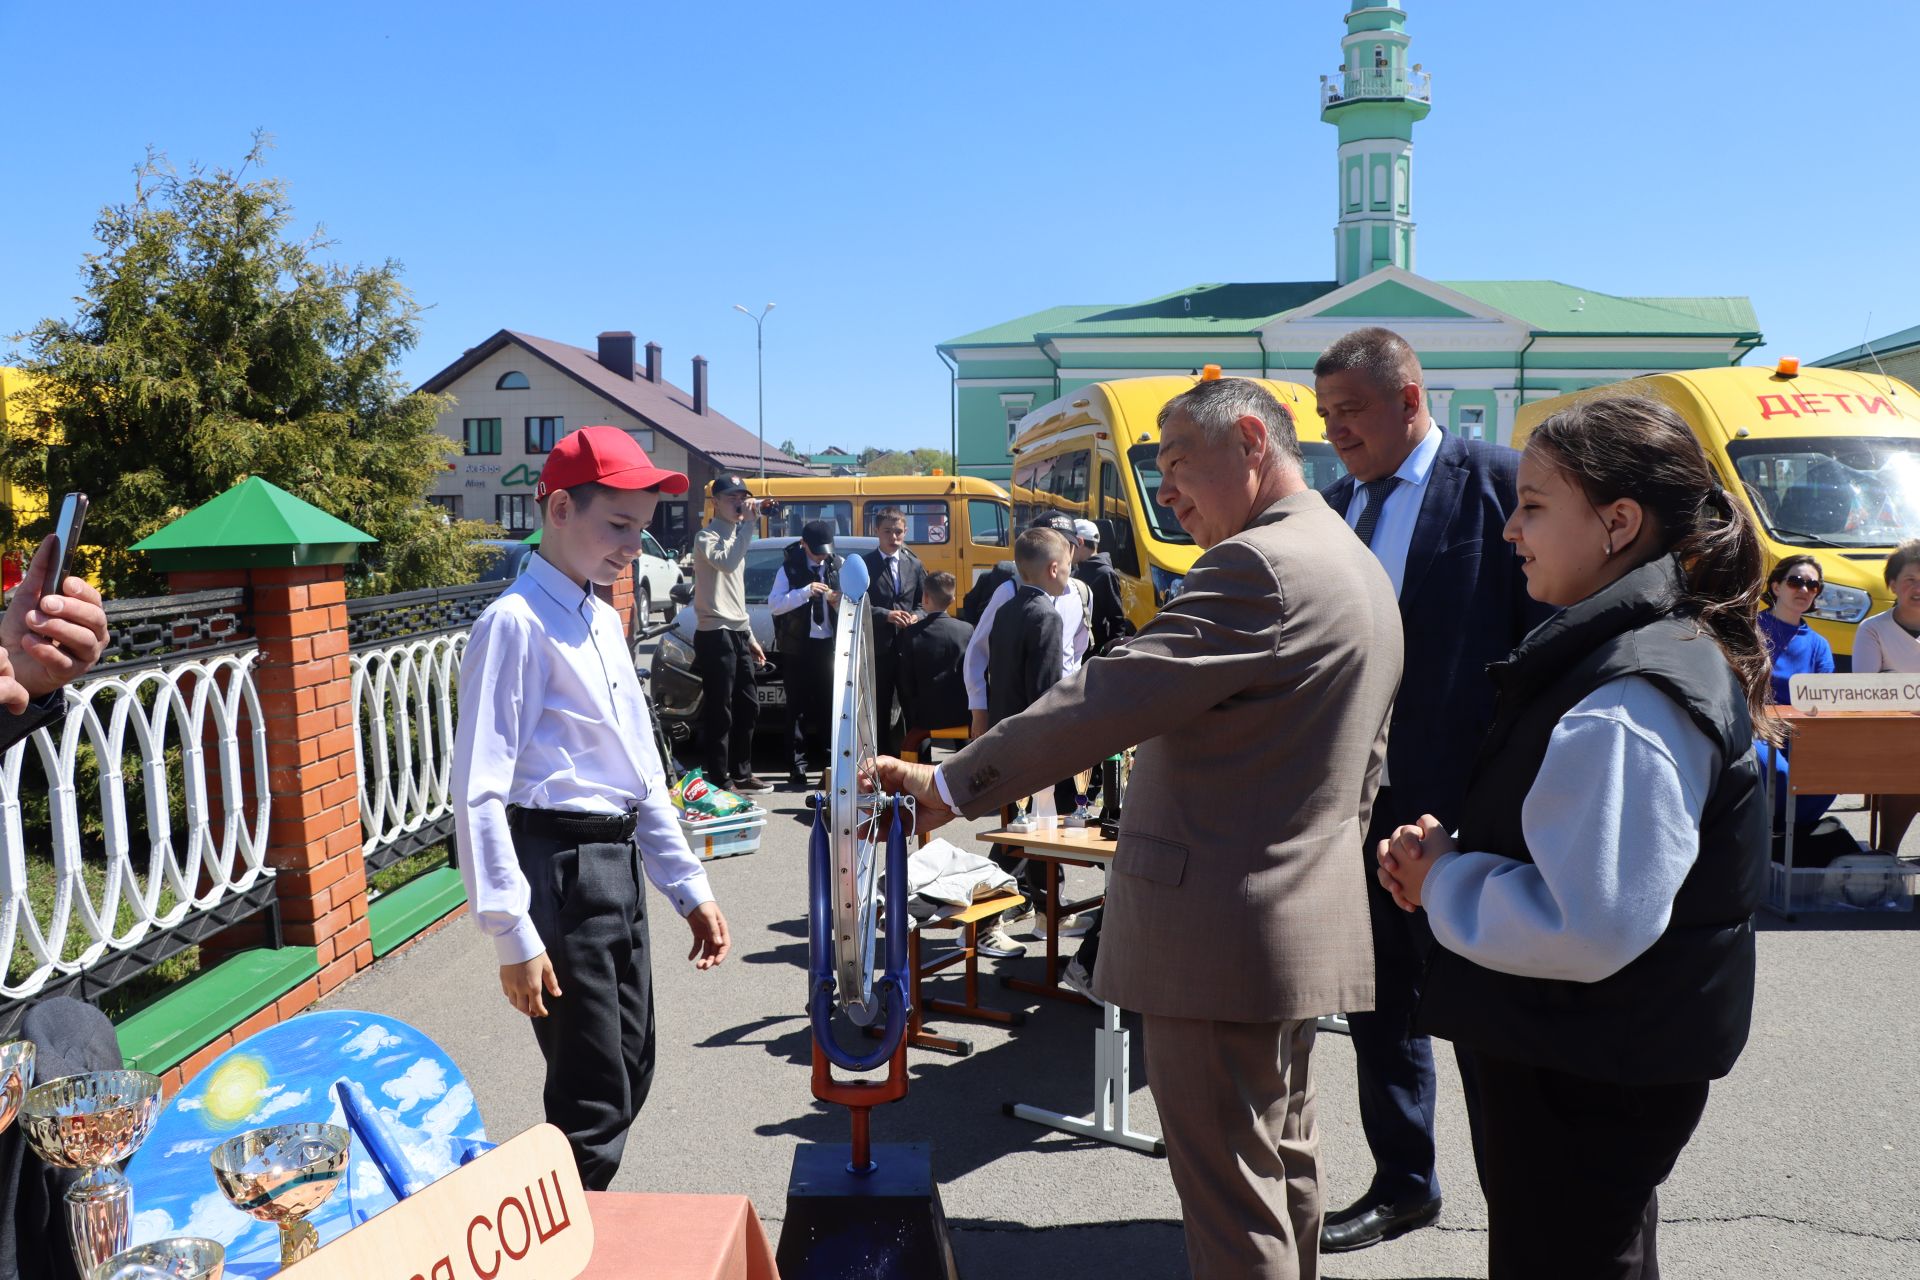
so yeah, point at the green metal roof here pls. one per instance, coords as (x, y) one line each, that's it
(1553, 307)
(1882, 347)
(1218, 309)
(1732, 310)
(255, 523)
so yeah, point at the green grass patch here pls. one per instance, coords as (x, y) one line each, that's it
(42, 882)
(411, 867)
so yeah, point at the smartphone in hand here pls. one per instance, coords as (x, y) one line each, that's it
(73, 517)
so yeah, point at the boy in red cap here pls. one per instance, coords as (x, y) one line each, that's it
(560, 800)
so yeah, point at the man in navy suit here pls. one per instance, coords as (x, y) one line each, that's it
(1431, 507)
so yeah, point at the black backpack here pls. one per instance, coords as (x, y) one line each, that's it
(981, 592)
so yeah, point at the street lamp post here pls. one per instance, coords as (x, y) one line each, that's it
(759, 374)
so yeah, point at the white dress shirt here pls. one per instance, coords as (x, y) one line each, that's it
(1074, 638)
(1393, 529)
(551, 717)
(784, 599)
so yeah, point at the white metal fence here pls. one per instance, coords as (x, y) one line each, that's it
(144, 809)
(403, 741)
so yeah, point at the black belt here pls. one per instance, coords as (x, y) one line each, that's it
(604, 828)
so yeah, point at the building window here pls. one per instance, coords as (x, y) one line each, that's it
(512, 380)
(483, 435)
(514, 512)
(1473, 423)
(447, 502)
(1016, 408)
(643, 436)
(544, 433)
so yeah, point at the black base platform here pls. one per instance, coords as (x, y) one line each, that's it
(882, 1225)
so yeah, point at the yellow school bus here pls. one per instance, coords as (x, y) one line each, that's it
(956, 524)
(1093, 454)
(1827, 461)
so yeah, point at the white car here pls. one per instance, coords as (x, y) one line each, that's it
(655, 574)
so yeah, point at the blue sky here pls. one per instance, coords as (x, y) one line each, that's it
(892, 174)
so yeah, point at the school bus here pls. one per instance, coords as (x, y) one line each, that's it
(1094, 454)
(1827, 461)
(955, 524)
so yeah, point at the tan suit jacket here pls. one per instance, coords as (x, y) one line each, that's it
(1259, 698)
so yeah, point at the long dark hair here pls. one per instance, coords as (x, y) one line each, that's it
(1786, 566)
(1634, 446)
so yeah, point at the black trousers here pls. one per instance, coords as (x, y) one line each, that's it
(1569, 1167)
(589, 904)
(729, 707)
(1398, 1089)
(809, 679)
(886, 668)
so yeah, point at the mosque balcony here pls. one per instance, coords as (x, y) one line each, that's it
(1375, 84)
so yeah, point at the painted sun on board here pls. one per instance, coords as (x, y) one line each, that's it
(234, 1091)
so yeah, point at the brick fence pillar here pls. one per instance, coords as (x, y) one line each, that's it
(306, 696)
(292, 558)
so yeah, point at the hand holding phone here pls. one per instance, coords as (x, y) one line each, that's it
(52, 637)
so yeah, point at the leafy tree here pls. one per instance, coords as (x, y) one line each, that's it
(210, 345)
(791, 449)
(912, 462)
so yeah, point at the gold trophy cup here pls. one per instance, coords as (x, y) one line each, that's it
(281, 1174)
(93, 1122)
(16, 1077)
(175, 1258)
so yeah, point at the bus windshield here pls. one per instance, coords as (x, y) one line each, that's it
(1833, 491)
(1317, 458)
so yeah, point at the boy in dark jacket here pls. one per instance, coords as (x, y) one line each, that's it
(927, 676)
(1024, 660)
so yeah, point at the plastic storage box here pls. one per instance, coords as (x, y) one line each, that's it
(726, 837)
(1867, 882)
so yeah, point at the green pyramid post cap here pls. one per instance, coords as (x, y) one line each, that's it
(255, 524)
(533, 539)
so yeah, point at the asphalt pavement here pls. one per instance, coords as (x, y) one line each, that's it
(1807, 1163)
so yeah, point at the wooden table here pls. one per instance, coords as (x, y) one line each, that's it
(1112, 1050)
(1875, 753)
(1053, 849)
(676, 1237)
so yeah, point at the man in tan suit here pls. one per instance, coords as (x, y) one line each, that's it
(1259, 698)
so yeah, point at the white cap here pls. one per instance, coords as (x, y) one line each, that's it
(1086, 530)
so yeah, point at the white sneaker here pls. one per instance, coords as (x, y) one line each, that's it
(1075, 975)
(997, 944)
(1079, 925)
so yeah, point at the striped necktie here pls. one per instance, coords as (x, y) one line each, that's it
(1377, 491)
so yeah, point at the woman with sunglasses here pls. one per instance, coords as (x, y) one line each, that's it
(1795, 649)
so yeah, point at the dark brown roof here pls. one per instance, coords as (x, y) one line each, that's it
(663, 406)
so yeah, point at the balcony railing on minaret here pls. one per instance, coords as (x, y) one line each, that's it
(1374, 84)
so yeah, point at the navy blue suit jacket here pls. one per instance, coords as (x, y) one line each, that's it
(1463, 604)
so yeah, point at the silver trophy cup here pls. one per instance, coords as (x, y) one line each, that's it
(94, 1122)
(16, 1077)
(281, 1174)
(176, 1258)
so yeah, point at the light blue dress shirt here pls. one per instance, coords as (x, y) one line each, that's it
(1393, 529)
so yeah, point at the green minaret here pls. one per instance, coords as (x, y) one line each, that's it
(1375, 100)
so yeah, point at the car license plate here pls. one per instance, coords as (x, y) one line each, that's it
(770, 695)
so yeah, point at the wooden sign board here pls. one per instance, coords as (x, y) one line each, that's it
(516, 1213)
(1880, 692)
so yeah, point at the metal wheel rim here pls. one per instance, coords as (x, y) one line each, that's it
(855, 835)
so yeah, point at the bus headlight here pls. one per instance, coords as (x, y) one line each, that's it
(1841, 604)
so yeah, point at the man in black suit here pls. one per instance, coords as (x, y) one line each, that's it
(804, 595)
(1431, 507)
(927, 677)
(897, 577)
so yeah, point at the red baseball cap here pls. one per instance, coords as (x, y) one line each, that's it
(604, 455)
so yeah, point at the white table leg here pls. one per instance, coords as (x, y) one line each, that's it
(1112, 1088)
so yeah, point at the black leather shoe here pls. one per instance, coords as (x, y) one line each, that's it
(797, 779)
(1359, 1225)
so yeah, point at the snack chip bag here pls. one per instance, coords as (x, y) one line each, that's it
(700, 801)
